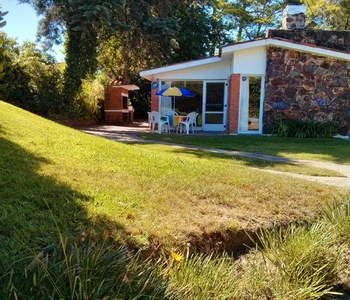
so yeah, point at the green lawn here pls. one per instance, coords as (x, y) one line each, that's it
(254, 162)
(144, 195)
(321, 149)
(164, 200)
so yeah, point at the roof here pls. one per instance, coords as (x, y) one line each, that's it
(129, 87)
(148, 74)
(226, 52)
(284, 43)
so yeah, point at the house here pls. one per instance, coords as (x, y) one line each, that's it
(291, 73)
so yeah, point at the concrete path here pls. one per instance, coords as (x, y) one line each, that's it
(128, 134)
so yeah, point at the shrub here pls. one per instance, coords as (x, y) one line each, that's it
(205, 276)
(337, 216)
(88, 103)
(87, 270)
(301, 262)
(304, 129)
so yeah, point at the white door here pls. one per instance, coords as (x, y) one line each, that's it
(214, 106)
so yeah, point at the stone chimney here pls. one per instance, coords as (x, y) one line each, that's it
(294, 17)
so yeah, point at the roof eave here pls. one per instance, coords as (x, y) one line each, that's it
(311, 48)
(225, 51)
(149, 74)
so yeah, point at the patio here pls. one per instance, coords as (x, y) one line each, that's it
(129, 133)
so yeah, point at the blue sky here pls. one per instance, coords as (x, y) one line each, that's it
(22, 23)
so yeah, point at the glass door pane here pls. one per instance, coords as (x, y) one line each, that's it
(214, 116)
(250, 104)
(165, 103)
(254, 103)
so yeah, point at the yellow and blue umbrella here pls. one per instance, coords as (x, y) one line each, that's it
(175, 91)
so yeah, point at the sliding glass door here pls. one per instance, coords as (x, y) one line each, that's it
(214, 106)
(251, 104)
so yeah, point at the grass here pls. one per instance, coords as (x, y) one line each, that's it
(157, 199)
(205, 276)
(84, 270)
(309, 261)
(143, 195)
(319, 149)
(258, 163)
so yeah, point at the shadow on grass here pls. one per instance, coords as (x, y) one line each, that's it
(336, 149)
(35, 263)
(33, 207)
(211, 154)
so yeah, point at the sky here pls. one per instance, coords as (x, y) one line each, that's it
(22, 24)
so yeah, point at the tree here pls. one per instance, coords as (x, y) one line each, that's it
(80, 21)
(328, 14)
(120, 37)
(2, 62)
(33, 77)
(220, 29)
(189, 44)
(155, 35)
(251, 18)
(143, 41)
(45, 79)
(18, 92)
(201, 30)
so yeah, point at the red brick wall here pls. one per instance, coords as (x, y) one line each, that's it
(114, 101)
(113, 118)
(154, 99)
(233, 102)
(113, 98)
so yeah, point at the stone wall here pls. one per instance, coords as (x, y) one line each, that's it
(306, 86)
(338, 40)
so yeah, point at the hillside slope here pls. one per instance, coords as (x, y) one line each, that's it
(51, 174)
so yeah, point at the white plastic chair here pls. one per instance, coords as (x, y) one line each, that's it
(171, 115)
(163, 120)
(195, 121)
(190, 121)
(153, 117)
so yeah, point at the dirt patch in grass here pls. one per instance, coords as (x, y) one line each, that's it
(237, 243)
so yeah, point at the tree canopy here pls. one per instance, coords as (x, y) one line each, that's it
(118, 38)
(251, 18)
(2, 61)
(121, 37)
(328, 14)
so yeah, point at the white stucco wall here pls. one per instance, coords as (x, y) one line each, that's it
(250, 61)
(219, 70)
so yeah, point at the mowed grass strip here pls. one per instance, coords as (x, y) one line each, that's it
(254, 163)
(142, 195)
(319, 149)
